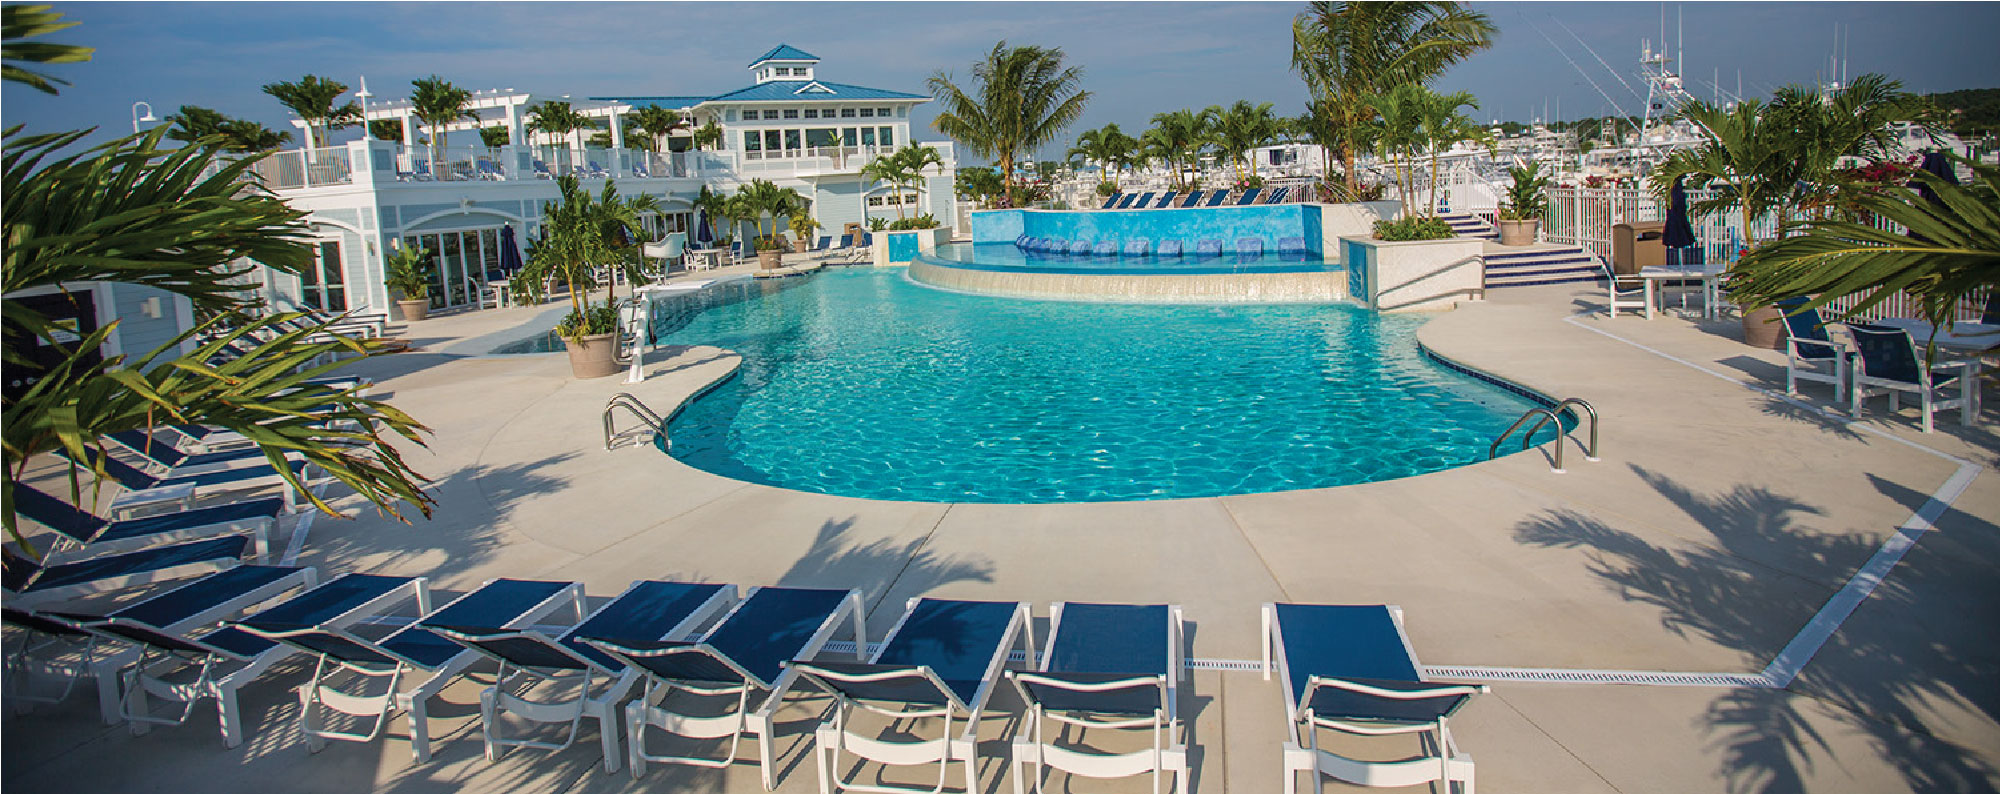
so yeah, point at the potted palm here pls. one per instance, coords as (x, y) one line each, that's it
(1527, 199)
(579, 234)
(803, 225)
(407, 272)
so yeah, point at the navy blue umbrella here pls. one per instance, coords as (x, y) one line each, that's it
(1940, 166)
(701, 233)
(1679, 232)
(510, 251)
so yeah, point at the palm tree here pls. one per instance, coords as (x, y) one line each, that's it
(26, 22)
(1109, 146)
(1440, 125)
(1826, 129)
(1748, 157)
(1952, 250)
(658, 122)
(1241, 129)
(1022, 98)
(763, 197)
(180, 220)
(911, 160)
(386, 130)
(1179, 137)
(1397, 131)
(1348, 52)
(312, 99)
(890, 170)
(493, 137)
(194, 122)
(708, 136)
(437, 102)
(560, 120)
(709, 203)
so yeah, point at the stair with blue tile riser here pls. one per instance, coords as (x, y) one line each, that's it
(1549, 265)
(1469, 225)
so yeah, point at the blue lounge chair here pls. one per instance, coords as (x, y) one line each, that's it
(29, 583)
(1111, 200)
(1169, 248)
(1215, 199)
(645, 612)
(507, 603)
(1249, 197)
(163, 454)
(80, 528)
(81, 652)
(1079, 247)
(746, 657)
(1208, 248)
(1349, 669)
(542, 170)
(488, 170)
(1104, 248)
(1138, 246)
(1278, 195)
(1108, 666)
(1886, 362)
(942, 659)
(142, 489)
(1166, 200)
(226, 659)
(1194, 198)
(1247, 247)
(1126, 202)
(1145, 200)
(1807, 346)
(1292, 246)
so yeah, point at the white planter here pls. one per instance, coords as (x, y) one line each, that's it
(1420, 275)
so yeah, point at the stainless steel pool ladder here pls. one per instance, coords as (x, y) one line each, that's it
(1551, 414)
(614, 439)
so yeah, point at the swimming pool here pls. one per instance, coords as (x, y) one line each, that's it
(1009, 257)
(863, 383)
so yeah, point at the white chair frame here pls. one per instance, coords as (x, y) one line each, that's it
(1168, 753)
(1929, 397)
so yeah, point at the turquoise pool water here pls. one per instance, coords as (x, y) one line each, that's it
(862, 383)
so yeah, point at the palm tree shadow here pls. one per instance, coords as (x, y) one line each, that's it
(440, 552)
(1879, 676)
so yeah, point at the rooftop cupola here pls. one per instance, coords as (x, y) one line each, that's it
(784, 62)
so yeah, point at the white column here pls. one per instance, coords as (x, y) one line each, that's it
(513, 125)
(617, 131)
(409, 130)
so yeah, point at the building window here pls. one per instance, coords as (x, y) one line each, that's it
(847, 113)
(791, 113)
(792, 139)
(867, 136)
(750, 142)
(812, 113)
(770, 115)
(883, 112)
(771, 140)
(874, 201)
(902, 112)
(729, 115)
(887, 136)
(868, 113)
(819, 136)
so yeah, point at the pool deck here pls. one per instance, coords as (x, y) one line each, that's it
(1719, 522)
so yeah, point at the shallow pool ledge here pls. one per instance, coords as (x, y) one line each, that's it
(1318, 286)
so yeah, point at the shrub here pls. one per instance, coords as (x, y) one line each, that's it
(1415, 227)
(924, 221)
(877, 224)
(1106, 188)
(598, 319)
(1526, 199)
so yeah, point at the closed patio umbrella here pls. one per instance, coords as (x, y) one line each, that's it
(1937, 165)
(510, 252)
(1679, 233)
(701, 233)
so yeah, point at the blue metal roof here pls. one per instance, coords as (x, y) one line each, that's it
(784, 52)
(798, 90)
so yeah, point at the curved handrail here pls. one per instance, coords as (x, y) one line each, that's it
(638, 409)
(1550, 414)
(1590, 452)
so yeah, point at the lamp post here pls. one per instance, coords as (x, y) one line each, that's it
(136, 118)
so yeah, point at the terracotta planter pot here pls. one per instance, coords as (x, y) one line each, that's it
(1519, 232)
(1764, 328)
(413, 311)
(593, 356)
(770, 260)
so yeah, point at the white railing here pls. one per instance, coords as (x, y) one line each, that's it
(1458, 190)
(303, 168)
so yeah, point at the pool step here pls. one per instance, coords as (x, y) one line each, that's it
(1469, 225)
(1545, 266)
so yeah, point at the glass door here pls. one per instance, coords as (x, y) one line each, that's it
(323, 285)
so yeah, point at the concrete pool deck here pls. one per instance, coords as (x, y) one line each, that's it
(1718, 524)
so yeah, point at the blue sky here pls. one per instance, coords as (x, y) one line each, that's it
(1138, 58)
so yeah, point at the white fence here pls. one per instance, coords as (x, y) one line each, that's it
(303, 168)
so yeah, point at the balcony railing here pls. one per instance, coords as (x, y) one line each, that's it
(297, 169)
(304, 168)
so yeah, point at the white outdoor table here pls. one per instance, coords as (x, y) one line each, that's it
(1658, 273)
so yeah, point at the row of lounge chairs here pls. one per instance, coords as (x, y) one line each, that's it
(659, 645)
(1141, 246)
(1194, 198)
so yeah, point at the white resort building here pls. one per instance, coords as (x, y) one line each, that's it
(789, 126)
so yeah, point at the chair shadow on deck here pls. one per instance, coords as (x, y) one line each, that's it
(1916, 653)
